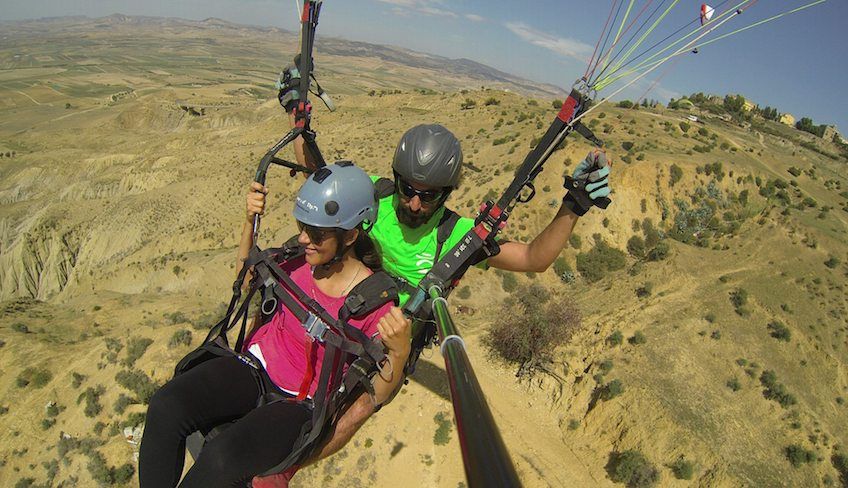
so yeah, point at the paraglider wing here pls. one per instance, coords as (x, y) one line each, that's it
(706, 13)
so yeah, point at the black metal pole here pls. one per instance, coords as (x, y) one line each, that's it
(487, 462)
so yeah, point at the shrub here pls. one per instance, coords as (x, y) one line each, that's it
(509, 282)
(636, 247)
(20, 327)
(122, 403)
(575, 241)
(739, 298)
(684, 126)
(599, 260)
(180, 338)
(138, 383)
(442, 435)
(797, 455)
(92, 400)
(840, 463)
(35, 377)
(464, 292)
(645, 290)
(683, 469)
(491, 101)
(78, 379)
(832, 262)
(776, 391)
(615, 339)
(710, 317)
(734, 384)
(563, 270)
(611, 390)
(779, 331)
(638, 338)
(676, 174)
(659, 252)
(631, 467)
(532, 326)
(136, 346)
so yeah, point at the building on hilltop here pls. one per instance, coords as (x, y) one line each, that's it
(787, 119)
(830, 131)
(748, 106)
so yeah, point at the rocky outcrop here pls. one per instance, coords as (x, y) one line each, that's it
(39, 263)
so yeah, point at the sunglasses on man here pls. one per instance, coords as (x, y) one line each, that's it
(426, 196)
(316, 235)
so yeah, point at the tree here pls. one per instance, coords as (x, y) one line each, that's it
(625, 104)
(734, 103)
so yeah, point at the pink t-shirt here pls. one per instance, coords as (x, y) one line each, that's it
(283, 340)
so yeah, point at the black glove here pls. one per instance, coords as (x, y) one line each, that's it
(589, 185)
(288, 85)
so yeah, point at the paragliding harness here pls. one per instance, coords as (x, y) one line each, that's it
(343, 343)
(480, 242)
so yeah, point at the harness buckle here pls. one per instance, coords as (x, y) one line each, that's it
(315, 327)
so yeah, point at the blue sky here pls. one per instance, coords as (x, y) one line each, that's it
(797, 63)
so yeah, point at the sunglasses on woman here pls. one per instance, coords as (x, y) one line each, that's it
(316, 234)
(426, 196)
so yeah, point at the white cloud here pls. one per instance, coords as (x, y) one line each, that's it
(560, 45)
(405, 8)
(475, 18)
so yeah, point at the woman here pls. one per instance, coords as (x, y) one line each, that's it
(330, 209)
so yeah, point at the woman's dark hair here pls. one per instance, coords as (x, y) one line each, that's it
(366, 252)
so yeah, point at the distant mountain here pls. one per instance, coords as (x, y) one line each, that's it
(456, 68)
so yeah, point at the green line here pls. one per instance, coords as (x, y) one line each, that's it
(617, 35)
(649, 61)
(642, 39)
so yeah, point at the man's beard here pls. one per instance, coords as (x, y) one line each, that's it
(413, 219)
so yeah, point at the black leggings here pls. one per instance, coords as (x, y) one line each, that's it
(217, 391)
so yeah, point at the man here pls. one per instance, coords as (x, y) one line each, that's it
(427, 167)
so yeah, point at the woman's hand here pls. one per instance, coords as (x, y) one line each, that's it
(396, 332)
(256, 200)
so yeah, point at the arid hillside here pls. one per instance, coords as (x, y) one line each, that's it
(712, 348)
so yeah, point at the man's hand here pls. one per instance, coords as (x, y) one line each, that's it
(589, 183)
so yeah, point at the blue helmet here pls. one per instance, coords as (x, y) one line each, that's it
(339, 195)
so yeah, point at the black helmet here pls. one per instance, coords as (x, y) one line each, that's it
(429, 154)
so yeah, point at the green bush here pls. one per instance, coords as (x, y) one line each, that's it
(636, 247)
(683, 469)
(598, 261)
(77, 379)
(611, 390)
(92, 400)
(20, 327)
(659, 252)
(138, 383)
(684, 126)
(509, 282)
(443, 429)
(34, 377)
(739, 298)
(832, 262)
(575, 241)
(180, 338)
(734, 384)
(779, 331)
(136, 346)
(464, 292)
(631, 467)
(122, 403)
(797, 455)
(676, 174)
(776, 391)
(638, 338)
(615, 339)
